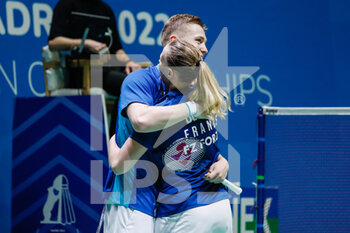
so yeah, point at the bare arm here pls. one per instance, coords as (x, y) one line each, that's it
(131, 152)
(66, 43)
(146, 118)
(130, 65)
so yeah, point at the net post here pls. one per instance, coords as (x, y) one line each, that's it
(260, 172)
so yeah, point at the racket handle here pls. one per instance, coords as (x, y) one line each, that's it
(236, 189)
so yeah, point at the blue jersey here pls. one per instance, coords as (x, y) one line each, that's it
(180, 191)
(141, 86)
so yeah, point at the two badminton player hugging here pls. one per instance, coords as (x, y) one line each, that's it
(167, 174)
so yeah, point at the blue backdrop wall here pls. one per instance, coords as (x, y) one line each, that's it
(301, 48)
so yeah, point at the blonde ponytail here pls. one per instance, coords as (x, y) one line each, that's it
(209, 94)
(186, 60)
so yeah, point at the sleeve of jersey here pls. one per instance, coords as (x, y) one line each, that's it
(137, 88)
(145, 139)
(215, 151)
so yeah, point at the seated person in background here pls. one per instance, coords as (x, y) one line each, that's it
(69, 22)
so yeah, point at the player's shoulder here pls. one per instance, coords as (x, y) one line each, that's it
(150, 75)
(151, 71)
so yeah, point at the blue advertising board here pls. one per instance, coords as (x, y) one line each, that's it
(52, 182)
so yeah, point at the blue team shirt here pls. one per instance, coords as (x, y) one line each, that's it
(180, 191)
(141, 86)
(145, 86)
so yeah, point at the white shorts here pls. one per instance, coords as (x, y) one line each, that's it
(213, 218)
(120, 219)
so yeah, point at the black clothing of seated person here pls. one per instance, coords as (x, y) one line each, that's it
(69, 22)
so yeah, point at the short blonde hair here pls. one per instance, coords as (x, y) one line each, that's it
(177, 22)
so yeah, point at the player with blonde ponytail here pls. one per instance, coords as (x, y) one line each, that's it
(203, 206)
(214, 100)
(206, 91)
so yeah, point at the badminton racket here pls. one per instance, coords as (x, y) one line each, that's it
(185, 153)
